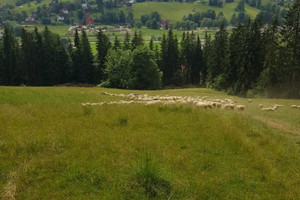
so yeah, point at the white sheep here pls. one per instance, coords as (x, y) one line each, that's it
(229, 106)
(204, 105)
(170, 102)
(267, 109)
(241, 107)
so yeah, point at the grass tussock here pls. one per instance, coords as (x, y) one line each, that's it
(149, 178)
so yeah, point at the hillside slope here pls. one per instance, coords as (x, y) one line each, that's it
(52, 147)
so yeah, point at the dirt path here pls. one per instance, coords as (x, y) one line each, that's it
(278, 125)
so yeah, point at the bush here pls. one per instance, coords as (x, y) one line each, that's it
(132, 70)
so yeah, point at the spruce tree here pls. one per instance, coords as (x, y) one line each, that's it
(252, 57)
(103, 44)
(219, 61)
(31, 62)
(48, 66)
(197, 62)
(291, 39)
(136, 41)
(55, 60)
(207, 59)
(126, 43)
(117, 43)
(10, 68)
(170, 59)
(269, 77)
(151, 44)
(236, 40)
(77, 59)
(88, 73)
(38, 55)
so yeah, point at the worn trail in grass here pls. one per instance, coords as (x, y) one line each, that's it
(51, 147)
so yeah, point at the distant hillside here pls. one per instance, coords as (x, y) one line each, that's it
(197, 14)
(174, 11)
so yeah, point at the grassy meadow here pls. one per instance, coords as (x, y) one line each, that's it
(52, 147)
(174, 11)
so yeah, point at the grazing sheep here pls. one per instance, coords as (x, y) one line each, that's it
(274, 108)
(229, 106)
(249, 100)
(170, 102)
(218, 105)
(204, 105)
(261, 105)
(267, 109)
(152, 102)
(278, 105)
(294, 106)
(241, 107)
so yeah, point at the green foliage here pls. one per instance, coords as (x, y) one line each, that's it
(132, 69)
(146, 74)
(118, 69)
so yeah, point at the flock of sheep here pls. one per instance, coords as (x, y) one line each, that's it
(202, 102)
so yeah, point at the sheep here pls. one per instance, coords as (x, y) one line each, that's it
(294, 106)
(204, 105)
(229, 106)
(249, 100)
(218, 105)
(298, 106)
(261, 105)
(152, 102)
(169, 102)
(276, 106)
(267, 109)
(241, 107)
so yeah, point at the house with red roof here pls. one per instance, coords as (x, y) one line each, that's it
(64, 10)
(89, 22)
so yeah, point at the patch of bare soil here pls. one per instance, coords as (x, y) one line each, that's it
(278, 125)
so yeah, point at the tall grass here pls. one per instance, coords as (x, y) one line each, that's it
(53, 148)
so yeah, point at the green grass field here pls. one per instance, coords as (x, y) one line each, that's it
(52, 147)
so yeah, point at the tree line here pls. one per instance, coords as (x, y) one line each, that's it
(252, 59)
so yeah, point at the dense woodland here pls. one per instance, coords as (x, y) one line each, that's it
(254, 59)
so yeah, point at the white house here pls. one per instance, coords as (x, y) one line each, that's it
(60, 18)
